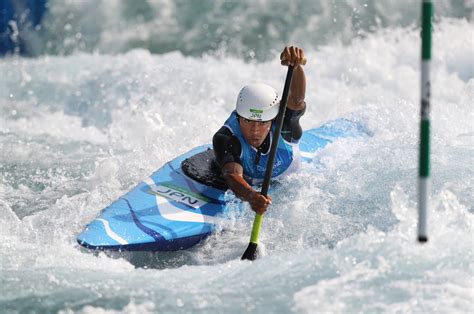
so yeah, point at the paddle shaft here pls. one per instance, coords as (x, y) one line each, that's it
(276, 134)
(271, 159)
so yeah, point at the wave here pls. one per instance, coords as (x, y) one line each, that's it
(252, 30)
(77, 131)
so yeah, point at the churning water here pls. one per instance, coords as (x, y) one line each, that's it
(91, 116)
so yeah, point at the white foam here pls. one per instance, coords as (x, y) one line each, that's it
(339, 236)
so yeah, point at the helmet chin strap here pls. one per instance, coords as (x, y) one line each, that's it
(257, 156)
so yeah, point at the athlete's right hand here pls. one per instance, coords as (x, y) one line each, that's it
(258, 202)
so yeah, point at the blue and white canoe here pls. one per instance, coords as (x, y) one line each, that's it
(183, 202)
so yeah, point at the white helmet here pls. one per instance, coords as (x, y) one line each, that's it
(258, 102)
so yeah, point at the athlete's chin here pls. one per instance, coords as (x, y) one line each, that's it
(256, 142)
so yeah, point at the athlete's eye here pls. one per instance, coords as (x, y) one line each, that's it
(260, 123)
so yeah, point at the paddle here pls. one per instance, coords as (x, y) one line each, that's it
(251, 251)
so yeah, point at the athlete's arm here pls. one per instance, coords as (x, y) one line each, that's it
(296, 105)
(294, 56)
(227, 150)
(234, 176)
(291, 130)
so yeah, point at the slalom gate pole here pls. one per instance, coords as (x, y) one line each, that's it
(424, 154)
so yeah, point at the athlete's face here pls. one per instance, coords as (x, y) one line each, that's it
(254, 132)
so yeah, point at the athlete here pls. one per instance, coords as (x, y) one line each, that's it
(242, 145)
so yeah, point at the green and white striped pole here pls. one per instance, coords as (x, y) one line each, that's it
(424, 162)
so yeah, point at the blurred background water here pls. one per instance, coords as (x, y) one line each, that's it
(96, 95)
(244, 29)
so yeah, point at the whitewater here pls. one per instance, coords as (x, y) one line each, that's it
(79, 130)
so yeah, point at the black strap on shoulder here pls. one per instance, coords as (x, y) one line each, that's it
(203, 168)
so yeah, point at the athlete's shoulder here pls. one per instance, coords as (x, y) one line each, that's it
(226, 146)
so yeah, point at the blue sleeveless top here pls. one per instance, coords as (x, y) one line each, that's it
(253, 171)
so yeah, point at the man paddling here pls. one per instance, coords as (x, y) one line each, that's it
(242, 145)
